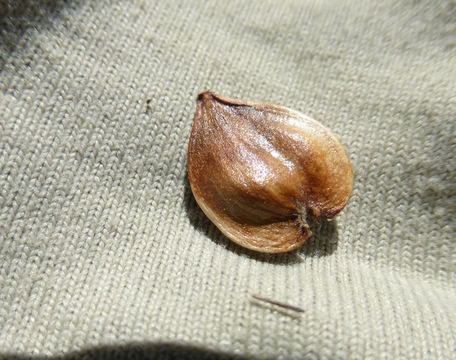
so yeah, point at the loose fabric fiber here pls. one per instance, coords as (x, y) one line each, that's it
(104, 252)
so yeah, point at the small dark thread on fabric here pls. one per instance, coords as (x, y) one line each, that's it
(278, 303)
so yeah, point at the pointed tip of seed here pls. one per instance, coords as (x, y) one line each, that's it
(210, 95)
(205, 95)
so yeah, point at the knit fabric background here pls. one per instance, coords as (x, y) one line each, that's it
(104, 252)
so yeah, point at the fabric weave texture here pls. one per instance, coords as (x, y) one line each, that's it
(104, 252)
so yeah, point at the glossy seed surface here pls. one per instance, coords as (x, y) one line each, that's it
(258, 171)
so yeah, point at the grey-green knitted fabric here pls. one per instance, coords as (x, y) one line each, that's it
(104, 252)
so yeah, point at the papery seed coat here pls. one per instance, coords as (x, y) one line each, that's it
(259, 170)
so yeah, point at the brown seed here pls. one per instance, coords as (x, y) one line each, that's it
(259, 170)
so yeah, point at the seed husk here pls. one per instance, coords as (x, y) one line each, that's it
(259, 171)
